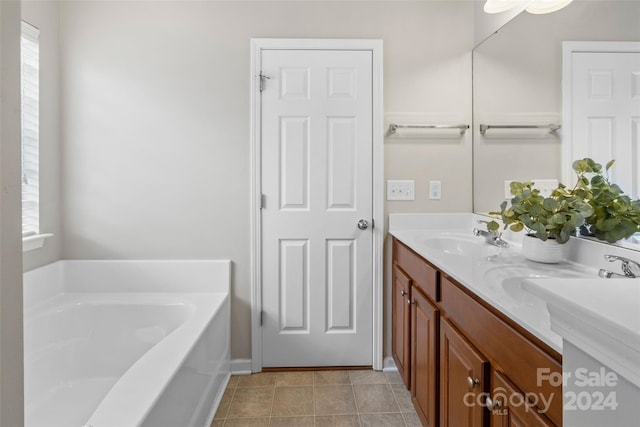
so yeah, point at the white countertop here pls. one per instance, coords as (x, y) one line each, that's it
(601, 317)
(494, 274)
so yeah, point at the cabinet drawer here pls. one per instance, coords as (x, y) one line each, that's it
(506, 348)
(423, 275)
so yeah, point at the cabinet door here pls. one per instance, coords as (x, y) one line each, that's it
(424, 357)
(509, 408)
(400, 314)
(463, 380)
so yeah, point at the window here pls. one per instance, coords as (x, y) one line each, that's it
(30, 94)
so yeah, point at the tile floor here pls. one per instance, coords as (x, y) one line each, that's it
(317, 398)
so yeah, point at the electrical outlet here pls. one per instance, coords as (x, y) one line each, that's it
(400, 190)
(435, 190)
(546, 186)
(507, 189)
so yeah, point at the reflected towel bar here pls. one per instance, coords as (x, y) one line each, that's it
(393, 127)
(552, 128)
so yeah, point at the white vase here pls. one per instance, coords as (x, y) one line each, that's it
(548, 251)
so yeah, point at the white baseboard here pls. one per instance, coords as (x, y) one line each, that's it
(241, 367)
(389, 365)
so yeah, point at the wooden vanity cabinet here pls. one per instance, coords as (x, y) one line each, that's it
(463, 380)
(401, 315)
(453, 350)
(509, 348)
(425, 318)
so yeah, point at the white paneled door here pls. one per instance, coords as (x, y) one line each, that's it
(317, 277)
(605, 119)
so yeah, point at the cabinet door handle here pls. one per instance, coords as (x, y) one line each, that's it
(472, 383)
(410, 302)
(493, 404)
(403, 292)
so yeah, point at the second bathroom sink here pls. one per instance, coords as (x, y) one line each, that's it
(508, 280)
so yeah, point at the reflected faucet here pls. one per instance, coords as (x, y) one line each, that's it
(630, 268)
(491, 237)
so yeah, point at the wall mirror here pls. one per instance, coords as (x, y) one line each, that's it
(517, 93)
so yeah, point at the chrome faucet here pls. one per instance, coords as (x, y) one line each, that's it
(491, 237)
(630, 268)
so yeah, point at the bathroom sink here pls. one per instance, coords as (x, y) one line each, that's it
(507, 280)
(457, 244)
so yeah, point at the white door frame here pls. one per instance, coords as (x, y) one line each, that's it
(375, 46)
(568, 48)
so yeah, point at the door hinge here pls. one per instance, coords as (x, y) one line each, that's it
(373, 223)
(261, 317)
(262, 80)
(262, 201)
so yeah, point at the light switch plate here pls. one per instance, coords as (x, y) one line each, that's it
(400, 190)
(435, 190)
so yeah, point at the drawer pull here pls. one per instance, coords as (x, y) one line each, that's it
(410, 302)
(493, 405)
(472, 383)
(403, 292)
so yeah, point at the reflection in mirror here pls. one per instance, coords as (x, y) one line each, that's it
(601, 108)
(517, 80)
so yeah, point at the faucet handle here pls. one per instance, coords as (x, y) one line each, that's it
(628, 265)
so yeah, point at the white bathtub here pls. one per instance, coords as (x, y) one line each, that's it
(125, 343)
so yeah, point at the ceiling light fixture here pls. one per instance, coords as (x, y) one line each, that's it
(546, 6)
(534, 6)
(499, 6)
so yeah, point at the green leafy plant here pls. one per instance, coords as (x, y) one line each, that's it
(615, 215)
(554, 217)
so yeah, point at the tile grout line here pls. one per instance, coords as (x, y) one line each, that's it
(273, 397)
(355, 400)
(233, 395)
(226, 413)
(313, 396)
(395, 398)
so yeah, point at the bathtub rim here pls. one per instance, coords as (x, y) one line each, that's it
(71, 275)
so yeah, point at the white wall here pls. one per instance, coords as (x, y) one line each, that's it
(11, 354)
(44, 15)
(155, 118)
(485, 24)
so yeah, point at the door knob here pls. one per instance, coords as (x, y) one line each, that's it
(363, 224)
